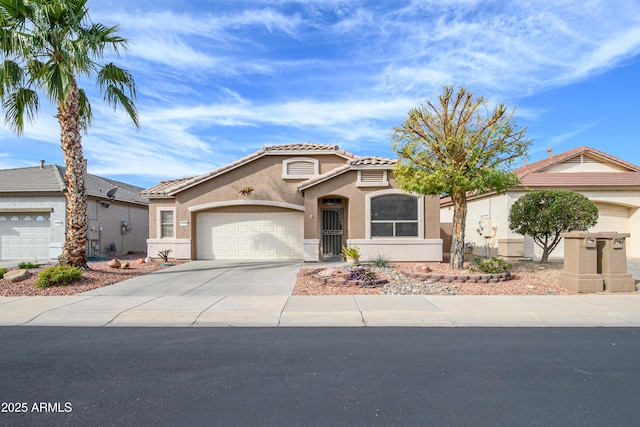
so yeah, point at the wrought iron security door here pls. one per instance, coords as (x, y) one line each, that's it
(332, 232)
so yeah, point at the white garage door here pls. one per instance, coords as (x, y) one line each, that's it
(272, 235)
(24, 236)
(610, 218)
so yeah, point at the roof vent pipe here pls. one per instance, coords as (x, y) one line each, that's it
(550, 151)
(41, 164)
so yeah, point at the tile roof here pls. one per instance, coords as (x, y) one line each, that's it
(171, 187)
(370, 162)
(306, 146)
(373, 161)
(559, 158)
(49, 179)
(534, 175)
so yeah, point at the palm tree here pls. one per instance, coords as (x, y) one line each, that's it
(47, 45)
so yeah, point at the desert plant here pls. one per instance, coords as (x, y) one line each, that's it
(363, 274)
(27, 265)
(164, 255)
(58, 275)
(381, 261)
(2, 271)
(351, 252)
(492, 265)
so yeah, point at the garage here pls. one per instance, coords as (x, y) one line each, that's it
(24, 236)
(244, 235)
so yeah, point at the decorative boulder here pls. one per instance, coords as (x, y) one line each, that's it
(140, 261)
(148, 260)
(331, 271)
(114, 263)
(16, 275)
(125, 264)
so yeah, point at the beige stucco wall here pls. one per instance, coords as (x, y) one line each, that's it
(222, 193)
(505, 242)
(355, 204)
(105, 227)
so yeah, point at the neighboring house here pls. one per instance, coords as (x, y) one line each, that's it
(33, 215)
(611, 183)
(298, 201)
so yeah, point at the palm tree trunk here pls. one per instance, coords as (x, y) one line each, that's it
(75, 247)
(457, 235)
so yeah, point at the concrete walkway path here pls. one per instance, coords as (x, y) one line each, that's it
(361, 310)
(217, 293)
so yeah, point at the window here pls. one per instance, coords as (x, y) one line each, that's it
(394, 215)
(299, 168)
(166, 224)
(372, 178)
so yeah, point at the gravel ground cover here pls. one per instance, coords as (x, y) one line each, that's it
(98, 275)
(528, 278)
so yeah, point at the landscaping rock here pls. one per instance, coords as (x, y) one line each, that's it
(114, 263)
(16, 275)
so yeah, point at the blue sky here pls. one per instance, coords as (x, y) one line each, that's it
(218, 80)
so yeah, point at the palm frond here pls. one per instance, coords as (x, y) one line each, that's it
(119, 88)
(21, 106)
(10, 77)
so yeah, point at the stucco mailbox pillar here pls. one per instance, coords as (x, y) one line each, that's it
(612, 262)
(580, 273)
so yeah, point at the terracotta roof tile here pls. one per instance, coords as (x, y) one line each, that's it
(559, 158)
(373, 161)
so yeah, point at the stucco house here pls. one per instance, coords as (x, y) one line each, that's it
(296, 201)
(611, 183)
(33, 215)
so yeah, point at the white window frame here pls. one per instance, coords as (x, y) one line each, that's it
(286, 162)
(383, 183)
(159, 222)
(390, 192)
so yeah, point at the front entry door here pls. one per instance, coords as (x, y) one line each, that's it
(332, 232)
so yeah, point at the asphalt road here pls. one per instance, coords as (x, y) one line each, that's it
(320, 376)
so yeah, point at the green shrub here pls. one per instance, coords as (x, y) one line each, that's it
(2, 271)
(27, 265)
(381, 261)
(493, 265)
(59, 275)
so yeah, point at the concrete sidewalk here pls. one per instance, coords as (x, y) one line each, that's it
(219, 293)
(281, 310)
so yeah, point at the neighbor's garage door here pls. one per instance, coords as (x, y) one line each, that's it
(612, 218)
(24, 236)
(265, 235)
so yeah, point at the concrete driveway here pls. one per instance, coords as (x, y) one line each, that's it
(211, 277)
